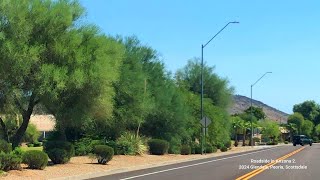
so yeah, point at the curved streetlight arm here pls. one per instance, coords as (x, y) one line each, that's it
(260, 78)
(219, 32)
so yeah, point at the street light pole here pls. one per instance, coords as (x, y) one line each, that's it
(202, 47)
(251, 107)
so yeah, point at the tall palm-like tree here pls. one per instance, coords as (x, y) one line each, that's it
(237, 125)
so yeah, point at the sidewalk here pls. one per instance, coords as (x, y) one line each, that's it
(84, 168)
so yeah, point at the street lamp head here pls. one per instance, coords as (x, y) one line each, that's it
(269, 72)
(236, 22)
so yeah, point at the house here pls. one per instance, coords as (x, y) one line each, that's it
(44, 123)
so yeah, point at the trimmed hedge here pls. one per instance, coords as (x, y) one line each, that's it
(58, 156)
(185, 150)
(35, 159)
(223, 149)
(103, 153)
(5, 146)
(158, 146)
(9, 161)
(59, 152)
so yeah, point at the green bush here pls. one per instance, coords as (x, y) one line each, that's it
(59, 152)
(131, 144)
(185, 150)
(103, 153)
(227, 144)
(223, 149)
(286, 142)
(174, 146)
(9, 161)
(37, 144)
(210, 149)
(32, 134)
(35, 159)
(197, 149)
(114, 145)
(85, 146)
(18, 151)
(48, 145)
(158, 146)
(58, 155)
(30, 144)
(5, 146)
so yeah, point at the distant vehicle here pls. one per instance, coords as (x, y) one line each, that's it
(302, 140)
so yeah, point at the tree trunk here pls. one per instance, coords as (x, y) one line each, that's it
(26, 114)
(5, 130)
(244, 138)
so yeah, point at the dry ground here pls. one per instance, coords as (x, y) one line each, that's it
(87, 167)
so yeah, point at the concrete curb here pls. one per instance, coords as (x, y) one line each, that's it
(128, 169)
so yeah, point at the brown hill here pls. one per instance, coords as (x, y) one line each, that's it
(241, 103)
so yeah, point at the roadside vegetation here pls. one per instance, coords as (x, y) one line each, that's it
(103, 91)
(109, 95)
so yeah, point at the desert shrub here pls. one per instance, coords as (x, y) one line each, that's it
(227, 144)
(5, 146)
(58, 155)
(9, 161)
(185, 150)
(103, 153)
(59, 152)
(131, 144)
(158, 146)
(35, 159)
(67, 146)
(223, 149)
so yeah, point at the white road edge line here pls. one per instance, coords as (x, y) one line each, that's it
(197, 164)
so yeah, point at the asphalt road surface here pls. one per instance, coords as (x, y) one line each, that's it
(283, 163)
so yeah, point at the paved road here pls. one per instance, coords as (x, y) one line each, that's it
(283, 162)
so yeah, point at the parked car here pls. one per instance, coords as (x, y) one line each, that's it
(302, 140)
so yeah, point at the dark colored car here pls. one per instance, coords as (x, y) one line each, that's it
(302, 140)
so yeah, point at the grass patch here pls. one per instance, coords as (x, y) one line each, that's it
(31, 148)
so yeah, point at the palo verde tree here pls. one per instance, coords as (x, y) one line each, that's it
(49, 57)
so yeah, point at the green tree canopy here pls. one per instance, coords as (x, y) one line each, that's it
(257, 112)
(270, 128)
(296, 119)
(48, 56)
(307, 128)
(215, 87)
(309, 110)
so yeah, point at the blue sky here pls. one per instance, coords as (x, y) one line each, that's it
(278, 36)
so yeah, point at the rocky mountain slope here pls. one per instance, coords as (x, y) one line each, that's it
(241, 103)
